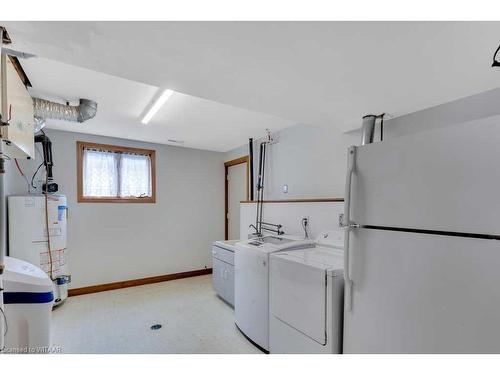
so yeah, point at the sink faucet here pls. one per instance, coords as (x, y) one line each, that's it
(256, 230)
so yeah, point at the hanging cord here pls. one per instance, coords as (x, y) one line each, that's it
(46, 193)
(382, 127)
(6, 328)
(495, 62)
(305, 223)
(34, 174)
(23, 175)
(36, 171)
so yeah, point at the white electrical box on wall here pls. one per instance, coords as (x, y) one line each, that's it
(18, 136)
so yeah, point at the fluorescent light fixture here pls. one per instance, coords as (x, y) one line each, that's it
(165, 95)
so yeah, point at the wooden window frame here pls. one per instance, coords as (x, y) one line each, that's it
(81, 146)
(227, 164)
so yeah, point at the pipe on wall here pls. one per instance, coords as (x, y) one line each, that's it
(368, 129)
(250, 155)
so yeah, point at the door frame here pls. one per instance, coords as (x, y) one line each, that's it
(227, 165)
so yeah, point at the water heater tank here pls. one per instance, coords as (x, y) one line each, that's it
(28, 238)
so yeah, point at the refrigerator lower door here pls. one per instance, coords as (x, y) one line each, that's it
(419, 293)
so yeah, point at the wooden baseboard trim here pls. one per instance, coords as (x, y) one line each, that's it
(310, 200)
(136, 282)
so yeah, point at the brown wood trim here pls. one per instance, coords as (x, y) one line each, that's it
(114, 148)
(227, 164)
(137, 282)
(14, 60)
(230, 163)
(309, 200)
(80, 146)
(20, 71)
(116, 200)
(6, 37)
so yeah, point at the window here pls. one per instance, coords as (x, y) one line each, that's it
(109, 173)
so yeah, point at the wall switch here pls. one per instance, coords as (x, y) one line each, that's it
(285, 188)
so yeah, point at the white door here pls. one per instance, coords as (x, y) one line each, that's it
(237, 192)
(218, 279)
(422, 293)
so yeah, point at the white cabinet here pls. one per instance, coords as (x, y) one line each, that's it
(19, 134)
(223, 270)
(223, 280)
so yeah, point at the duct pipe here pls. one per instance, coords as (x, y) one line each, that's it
(3, 205)
(44, 109)
(250, 156)
(368, 129)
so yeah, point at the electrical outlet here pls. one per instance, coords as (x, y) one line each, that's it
(285, 188)
(341, 220)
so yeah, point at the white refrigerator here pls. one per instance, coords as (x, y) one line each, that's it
(422, 256)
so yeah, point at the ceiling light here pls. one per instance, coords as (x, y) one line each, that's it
(156, 105)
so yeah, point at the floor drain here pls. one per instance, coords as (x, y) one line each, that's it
(154, 327)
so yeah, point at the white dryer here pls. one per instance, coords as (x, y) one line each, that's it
(306, 298)
(252, 283)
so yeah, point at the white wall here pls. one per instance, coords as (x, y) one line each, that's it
(110, 242)
(310, 160)
(322, 216)
(474, 107)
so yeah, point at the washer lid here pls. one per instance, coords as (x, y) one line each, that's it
(328, 259)
(271, 244)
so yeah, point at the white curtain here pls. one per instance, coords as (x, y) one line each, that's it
(109, 174)
(100, 174)
(135, 175)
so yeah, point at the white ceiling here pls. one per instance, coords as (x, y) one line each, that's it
(322, 73)
(199, 123)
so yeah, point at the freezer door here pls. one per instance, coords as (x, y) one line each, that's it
(444, 180)
(417, 293)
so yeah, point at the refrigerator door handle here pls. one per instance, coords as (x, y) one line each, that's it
(348, 224)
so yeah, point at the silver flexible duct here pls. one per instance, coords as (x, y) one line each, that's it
(44, 109)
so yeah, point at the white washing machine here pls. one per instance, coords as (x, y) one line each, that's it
(307, 298)
(252, 283)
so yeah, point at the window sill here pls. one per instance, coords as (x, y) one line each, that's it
(116, 200)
